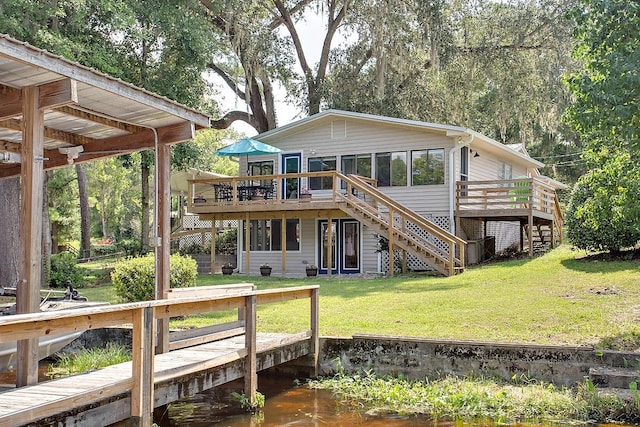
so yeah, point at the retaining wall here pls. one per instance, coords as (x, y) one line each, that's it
(417, 358)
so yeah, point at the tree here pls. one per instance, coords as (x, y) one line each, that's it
(603, 213)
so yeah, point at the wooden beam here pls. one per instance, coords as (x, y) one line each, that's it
(10, 147)
(142, 367)
(214, 233)
(85, 114)
(53, 94)
(58, 93)
(31, 196)
(50, 133)
(247, 242)
(115, 146)
(10, 103)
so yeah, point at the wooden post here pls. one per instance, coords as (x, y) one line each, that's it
(404, 252)
(163, 159)
(28, 292)
(250, 372)
(247, 242)
(452, 258)
(315, 335)
(142, 367)
(283, 240)
(214, 233)
(391, 243)
(530, 233)
(329, 245)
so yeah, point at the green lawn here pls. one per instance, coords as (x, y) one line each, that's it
(554, 298)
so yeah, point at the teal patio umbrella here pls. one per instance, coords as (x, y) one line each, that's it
(247, 147)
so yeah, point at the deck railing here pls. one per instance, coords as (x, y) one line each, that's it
(143, 315)
(527, 193)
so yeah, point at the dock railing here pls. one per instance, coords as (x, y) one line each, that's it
(143, 316)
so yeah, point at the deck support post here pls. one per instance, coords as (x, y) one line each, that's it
(315, 335)
(163, 227)
(329, 245)
(530, 233)
(31, 195)
(214, 233)
(391, 243)
(247, 242)
(142, 367)
(250, 369)
(283, 240)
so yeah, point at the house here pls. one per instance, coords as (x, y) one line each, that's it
(354, 193)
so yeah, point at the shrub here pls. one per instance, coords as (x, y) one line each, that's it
(130, 247)
(133, 279)
(102, 250)
(65, 271)
(603, 212)
(227, 242)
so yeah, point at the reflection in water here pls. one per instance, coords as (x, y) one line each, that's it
(286, 405)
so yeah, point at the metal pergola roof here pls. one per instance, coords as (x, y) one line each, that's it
(83, 107)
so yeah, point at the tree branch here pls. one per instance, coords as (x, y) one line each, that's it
(227, 79)
(233, 116)
(481, 49)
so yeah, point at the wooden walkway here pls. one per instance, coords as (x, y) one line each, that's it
(108, 395)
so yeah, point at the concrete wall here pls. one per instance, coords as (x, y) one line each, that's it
(418, 358)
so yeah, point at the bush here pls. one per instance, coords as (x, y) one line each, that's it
(133, 279)
(64, 271)
(130, 247)
(227, 242)
(102, 250)
(603, 212)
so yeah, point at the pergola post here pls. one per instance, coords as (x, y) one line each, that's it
(28, 292)
(163, 227)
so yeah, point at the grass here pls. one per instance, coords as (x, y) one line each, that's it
(478, 399)
(88, 360)
(556, 298)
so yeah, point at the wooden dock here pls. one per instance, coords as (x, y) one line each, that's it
(133, 389)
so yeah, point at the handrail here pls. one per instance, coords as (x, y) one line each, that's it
(448, 259)
(143, 315)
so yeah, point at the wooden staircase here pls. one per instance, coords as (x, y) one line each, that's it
(402, 227)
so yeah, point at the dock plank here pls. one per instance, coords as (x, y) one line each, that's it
(19, 406)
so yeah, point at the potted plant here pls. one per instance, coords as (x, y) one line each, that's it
(305, 194)
(227, 269)
(312, 270)
(265, 270)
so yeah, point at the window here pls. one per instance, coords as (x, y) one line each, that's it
(261, 168)
(321, 164)
(427, 167)
(391, 169)
(504, 171)
(266, 235)
(359, 164)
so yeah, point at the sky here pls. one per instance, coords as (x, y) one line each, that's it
(309, 31)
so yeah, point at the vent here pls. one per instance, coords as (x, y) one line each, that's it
(338, 129)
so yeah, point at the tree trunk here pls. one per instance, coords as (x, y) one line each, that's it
(9, 238)
(46, 232)
(85, 220)
(145, 168)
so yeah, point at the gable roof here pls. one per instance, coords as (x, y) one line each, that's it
(479, 141)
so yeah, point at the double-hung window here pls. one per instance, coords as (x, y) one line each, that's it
(427, 167)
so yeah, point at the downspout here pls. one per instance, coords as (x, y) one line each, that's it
(452, 178)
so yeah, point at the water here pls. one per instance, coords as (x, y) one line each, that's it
(286, 405)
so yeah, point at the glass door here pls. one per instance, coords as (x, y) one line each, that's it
(291, 163)
(345, 246)
(324, 247)
(350, 246)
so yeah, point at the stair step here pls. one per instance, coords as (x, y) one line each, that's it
(613, 377)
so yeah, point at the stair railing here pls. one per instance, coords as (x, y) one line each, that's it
(401, 221)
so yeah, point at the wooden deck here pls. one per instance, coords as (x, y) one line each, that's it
(131, 390)
(177, 374)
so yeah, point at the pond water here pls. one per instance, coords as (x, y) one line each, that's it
(286, 405)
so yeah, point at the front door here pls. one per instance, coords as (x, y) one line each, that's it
(291, 163)
(345, 246)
